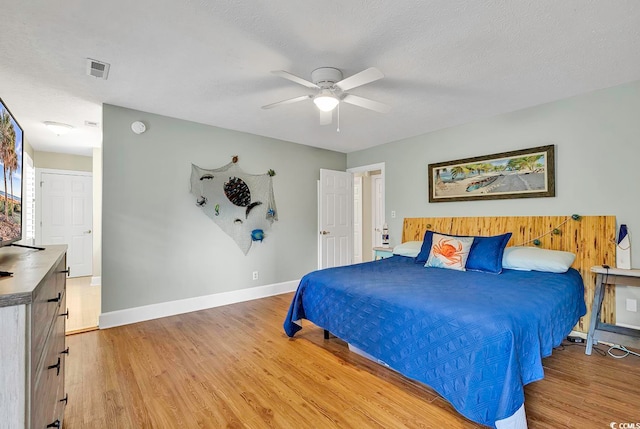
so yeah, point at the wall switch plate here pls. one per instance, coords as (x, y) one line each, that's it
(393, 213)
(632, 304)
(255, 275)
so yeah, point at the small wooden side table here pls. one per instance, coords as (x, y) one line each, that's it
(382, 253)
(605, 331)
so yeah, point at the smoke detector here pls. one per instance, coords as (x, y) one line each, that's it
(98, 69)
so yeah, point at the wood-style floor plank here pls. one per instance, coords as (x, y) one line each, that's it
(233, 367)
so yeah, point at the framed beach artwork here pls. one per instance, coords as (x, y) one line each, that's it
(527, 173)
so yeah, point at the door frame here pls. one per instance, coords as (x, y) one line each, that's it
(357, 231)
(39, 172)
(375, 233)
(373, 167)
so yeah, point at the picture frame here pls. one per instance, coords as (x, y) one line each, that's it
(526, 173)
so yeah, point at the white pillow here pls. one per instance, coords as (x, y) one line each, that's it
(409, 248)
(536, 259)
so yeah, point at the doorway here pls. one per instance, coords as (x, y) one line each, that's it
(369, 210)
(64, 215)
(64, 212)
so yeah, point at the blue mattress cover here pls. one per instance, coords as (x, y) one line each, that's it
(476, 338)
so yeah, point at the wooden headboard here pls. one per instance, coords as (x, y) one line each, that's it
(591, 238)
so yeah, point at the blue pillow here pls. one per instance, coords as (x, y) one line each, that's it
(425, 249)
(486, 253)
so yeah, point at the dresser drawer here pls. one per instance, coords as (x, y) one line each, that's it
(47, 305)
(61, 403)
(48, 380)
(32, 337)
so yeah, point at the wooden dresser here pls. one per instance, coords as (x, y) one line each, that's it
(32, 342)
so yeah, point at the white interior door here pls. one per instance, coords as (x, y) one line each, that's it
(357, 219)
(336, 218)
(377, 209)
(66, 217)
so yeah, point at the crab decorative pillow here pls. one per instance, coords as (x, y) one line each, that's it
(449, 252)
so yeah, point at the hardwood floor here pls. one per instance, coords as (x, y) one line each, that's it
(234, 367)
(83, 302)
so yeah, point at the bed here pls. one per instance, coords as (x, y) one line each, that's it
(477, 338)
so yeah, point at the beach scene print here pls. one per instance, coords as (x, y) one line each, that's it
(11, 181)
(509, 175)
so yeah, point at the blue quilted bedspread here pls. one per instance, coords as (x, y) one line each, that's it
(475, 338)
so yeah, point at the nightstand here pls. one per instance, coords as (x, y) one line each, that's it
(605, 331)
(382, 253)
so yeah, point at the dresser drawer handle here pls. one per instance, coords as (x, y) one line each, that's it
(55, 424)
(65, 351)
(57, 299)
(56, 366)
(65, 314)
(65, 399)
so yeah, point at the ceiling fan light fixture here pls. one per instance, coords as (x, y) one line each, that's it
(326, 101)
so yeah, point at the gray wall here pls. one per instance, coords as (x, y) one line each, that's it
(597, 138)
(97, 213)
(158, 246)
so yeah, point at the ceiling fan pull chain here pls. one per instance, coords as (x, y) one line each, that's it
(338, 129)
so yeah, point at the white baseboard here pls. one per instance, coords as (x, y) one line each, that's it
(625, 325)
(171, 308)
(96, 281)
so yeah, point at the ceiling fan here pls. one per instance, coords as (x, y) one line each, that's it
(331, 88)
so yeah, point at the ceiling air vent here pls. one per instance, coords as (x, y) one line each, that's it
(98, 69)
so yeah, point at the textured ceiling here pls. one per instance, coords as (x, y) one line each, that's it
(446, 62)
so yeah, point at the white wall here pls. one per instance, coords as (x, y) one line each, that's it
(597, 138)
(157, 246)
(28, 148)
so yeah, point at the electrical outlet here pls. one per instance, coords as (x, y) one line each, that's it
(255, 275)
(632, 305)
(393, 213)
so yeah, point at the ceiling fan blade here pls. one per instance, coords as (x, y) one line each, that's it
(366, 76)
(289, 101)
(296, 79)
(366, 103)
(326, 117)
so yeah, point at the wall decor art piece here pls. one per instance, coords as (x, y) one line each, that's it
(527, 173)
(241, 204)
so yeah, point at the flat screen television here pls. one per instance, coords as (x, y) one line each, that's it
(11, 156)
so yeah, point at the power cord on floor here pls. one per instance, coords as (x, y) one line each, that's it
(567, 344)
(626, 351)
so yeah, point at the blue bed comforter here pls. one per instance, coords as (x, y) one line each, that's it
(475, 338)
